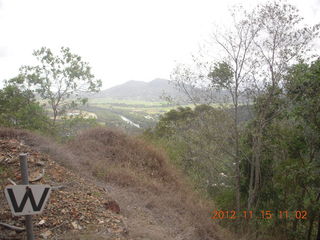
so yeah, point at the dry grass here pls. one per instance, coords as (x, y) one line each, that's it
(110, 150)
(131, 163)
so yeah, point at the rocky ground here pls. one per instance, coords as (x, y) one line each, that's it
(77, 209)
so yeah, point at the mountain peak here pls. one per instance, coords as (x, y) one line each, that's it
(139, 90)
(159, 80)
(130, 83)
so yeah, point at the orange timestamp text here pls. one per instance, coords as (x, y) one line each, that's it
(263, 214)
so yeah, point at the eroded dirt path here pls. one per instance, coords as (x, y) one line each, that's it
(144, 221)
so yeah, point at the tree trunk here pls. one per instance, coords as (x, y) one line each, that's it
(250, 186)
(318, 235)
(55, 114)
(237, 160)
(255, 173)
(237, 152)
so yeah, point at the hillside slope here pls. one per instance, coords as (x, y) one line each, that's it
(154, 199)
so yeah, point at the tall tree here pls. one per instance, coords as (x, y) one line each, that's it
(227, 76)
(57, 78)
(282, 41)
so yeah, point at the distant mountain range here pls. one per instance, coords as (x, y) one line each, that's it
(156, 90)
(139, 90)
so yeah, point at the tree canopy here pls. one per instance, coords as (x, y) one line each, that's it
(19, 109)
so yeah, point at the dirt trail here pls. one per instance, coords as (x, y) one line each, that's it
(143, 219)
(153, 203)
(153, 195)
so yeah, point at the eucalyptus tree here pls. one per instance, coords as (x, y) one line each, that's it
(58, 78)
(225, 77)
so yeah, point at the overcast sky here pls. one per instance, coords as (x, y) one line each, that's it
(121, 39)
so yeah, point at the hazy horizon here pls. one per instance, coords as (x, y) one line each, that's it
(122, 40)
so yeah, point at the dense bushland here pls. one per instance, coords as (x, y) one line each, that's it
(200, 142)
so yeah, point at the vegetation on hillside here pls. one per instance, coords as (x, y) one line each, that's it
(200, 142)
(266, 164)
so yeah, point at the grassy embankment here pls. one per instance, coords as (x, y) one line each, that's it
(130, 163)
